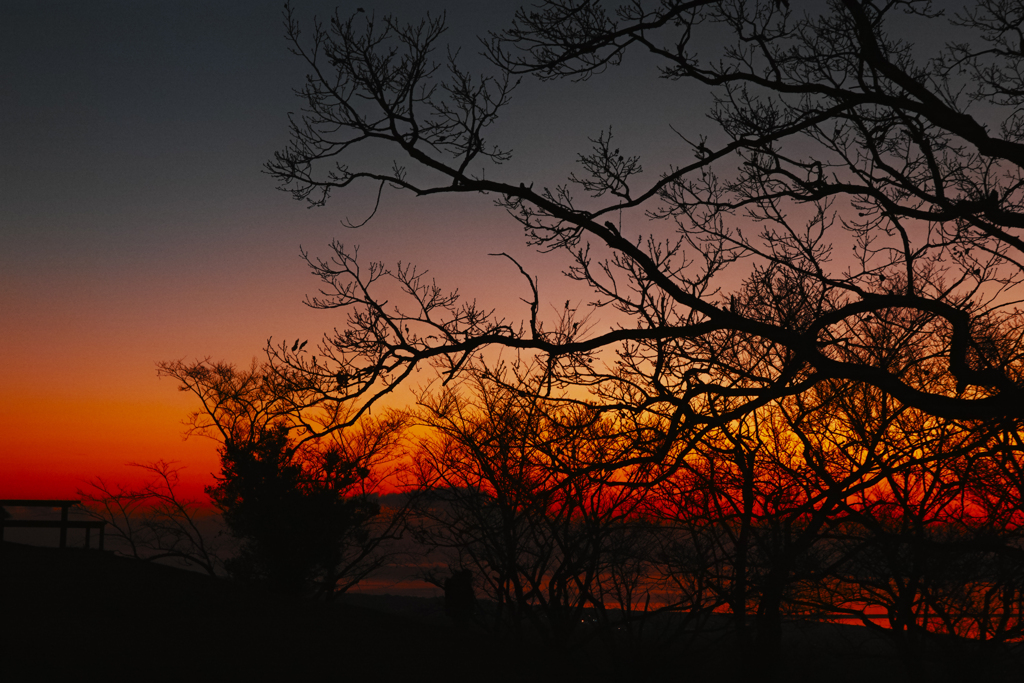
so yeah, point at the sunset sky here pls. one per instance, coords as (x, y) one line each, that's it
(137, 225)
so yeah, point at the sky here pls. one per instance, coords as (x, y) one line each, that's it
(136, 224)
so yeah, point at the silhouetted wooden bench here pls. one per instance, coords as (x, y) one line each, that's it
(64, 524)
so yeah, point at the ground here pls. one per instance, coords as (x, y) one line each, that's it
(83, 611)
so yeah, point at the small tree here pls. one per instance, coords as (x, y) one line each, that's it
(298, 492)
(295, 522)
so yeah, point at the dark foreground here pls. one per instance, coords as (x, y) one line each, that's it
(75, 612)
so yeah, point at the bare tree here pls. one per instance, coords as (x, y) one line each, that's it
(154, 522)
(920, 556)
(828, 131)
(506, 489)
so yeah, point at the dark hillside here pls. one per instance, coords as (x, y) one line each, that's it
(77, 612)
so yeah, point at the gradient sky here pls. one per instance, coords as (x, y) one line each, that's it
(136, 225)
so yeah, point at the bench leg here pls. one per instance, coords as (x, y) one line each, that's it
(63, 526)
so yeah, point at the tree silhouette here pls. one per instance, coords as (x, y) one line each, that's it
(813, 371)
(920, 553)
(828, 131)
(299, 493)
(154, 521)
(505, 491)
(296, 527)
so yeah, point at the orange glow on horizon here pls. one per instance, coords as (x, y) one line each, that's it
(51, 447)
